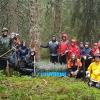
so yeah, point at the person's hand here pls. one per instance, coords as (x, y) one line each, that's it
(66, 51)
(76, 72)
(84, 57)
(72, 73)
(87, 74)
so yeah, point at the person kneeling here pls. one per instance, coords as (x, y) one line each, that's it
(28, 68)
(74, 67)
(93, 72)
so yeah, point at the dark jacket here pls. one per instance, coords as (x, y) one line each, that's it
(23, 52)
(53, 47)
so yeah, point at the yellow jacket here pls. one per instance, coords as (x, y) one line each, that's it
(94, 71)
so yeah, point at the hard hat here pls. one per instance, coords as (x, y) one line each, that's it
(4, 29)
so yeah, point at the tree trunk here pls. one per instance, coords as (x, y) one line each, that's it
(34, 27)
(12, 16)
(57, 16)
(84, 14)
(3, 13)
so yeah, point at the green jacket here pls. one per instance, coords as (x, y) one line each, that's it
(4, 44)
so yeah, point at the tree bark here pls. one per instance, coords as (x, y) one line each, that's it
(12, 16)
(57, 16)
(34, 27)
(3, 13)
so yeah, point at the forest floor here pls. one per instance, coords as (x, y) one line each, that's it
(45, 88)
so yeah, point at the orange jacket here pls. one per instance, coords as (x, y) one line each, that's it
(77, 63)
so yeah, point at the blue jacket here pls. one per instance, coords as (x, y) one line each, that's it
(82, 51)
(23, 52)
(12, 58)
(87, 52)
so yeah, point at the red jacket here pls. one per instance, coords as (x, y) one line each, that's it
(74, 49)
(95, 51)
(63, 46)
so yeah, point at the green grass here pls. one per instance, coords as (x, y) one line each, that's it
(45, 88)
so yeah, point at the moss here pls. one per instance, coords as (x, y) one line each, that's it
(46, 88)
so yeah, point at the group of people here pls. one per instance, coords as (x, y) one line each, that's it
(62, 51)
(15, 54)
(80, 58)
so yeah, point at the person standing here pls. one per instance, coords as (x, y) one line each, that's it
(95, 49)
(53, 49)
(87, 55)
(4, 47)
(81, 47)
(63, 49)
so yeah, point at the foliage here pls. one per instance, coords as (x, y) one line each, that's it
(78, 18)
(85, 18)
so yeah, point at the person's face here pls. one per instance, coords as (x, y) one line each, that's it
(53, 38)
(86, 45)
(72, 43)
(64, 38)
(12, 36)
(99, 44)
(73, 57)
(97, 59)
(81, 45)
(5, 32)
(95, 46)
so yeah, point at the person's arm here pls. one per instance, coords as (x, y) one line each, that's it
(58, 48)
(69, 64)
(79, 63)
(0, 40)
(45, 46)
(10, 42)
(89, 70)
(89, 55)
(19, 54)
(78, 52)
